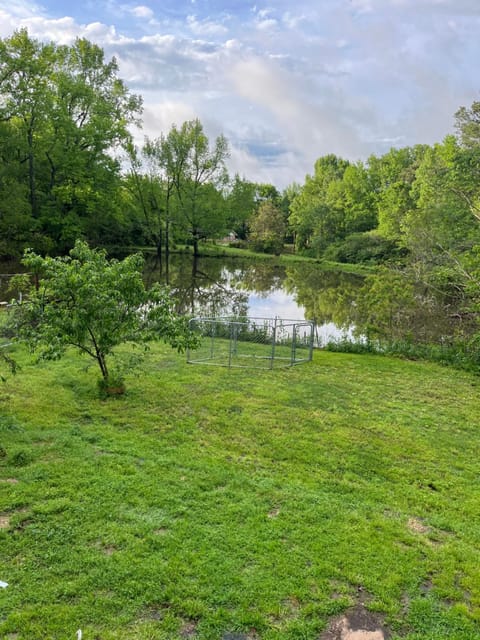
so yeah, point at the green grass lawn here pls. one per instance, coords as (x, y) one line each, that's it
(209, 503)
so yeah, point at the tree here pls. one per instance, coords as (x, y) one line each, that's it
(94, 304)
(288, 195)
(197, 173)
(240, 204)
(266, 191)
(467, 124)
(151, 194)
(442, 222)
(268, 228)
(315, 217)
(392, 177)
(63, 112)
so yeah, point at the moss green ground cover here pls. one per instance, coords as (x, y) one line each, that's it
(210, 502)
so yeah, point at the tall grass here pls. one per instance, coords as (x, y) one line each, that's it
(464, 355)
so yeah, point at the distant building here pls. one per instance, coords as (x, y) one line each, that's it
(231, 237)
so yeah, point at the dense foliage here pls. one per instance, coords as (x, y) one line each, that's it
(94, 304)
(415, 209)
(63, 114)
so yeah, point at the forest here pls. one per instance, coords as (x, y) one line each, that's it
(70, 169)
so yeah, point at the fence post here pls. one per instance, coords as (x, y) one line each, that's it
(274, 339)
(294, 344)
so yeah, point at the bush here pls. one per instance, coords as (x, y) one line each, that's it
(363, 248)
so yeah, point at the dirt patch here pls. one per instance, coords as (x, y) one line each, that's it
(155, 612)
(356, 624)
(188, 629)
(23, 524)
(274, 513)
(363, 596)
(405, 602)
(109, 549)
(426, 586)
(9, 480)
(4, 521)
(417, 526)
(291, 605)
(162, 531)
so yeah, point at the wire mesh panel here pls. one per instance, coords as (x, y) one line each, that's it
(252, 342)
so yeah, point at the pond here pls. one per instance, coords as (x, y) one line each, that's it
(333, 300)
(262, 289)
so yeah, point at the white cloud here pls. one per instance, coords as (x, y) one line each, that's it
(286, 83)
(263, 13)
(160, 116)
(292, 21)
(311, 126)
(142, 11)
(266, 25)
(205, 27)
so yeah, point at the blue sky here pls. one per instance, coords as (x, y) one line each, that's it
(286, 82)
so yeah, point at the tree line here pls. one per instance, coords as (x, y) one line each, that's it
(421, 201)
(69, 168)
(414, 210)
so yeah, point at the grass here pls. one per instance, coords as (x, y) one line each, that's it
(213, 250)
(208, 502)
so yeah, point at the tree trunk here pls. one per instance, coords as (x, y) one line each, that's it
(31, 175)
(103, 365)
(159, 245)
(167, 238)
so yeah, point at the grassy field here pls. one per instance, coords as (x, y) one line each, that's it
(210, 503)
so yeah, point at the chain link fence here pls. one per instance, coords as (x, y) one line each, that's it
(262, 343)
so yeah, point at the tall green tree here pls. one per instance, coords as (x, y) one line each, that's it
(268, 228)
(240, 203)
(315, 217)
(441, 225)
(198, 176)
(151, 194)
(64, 112)
(392, 176)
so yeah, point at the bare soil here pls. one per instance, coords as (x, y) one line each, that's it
(356, 624)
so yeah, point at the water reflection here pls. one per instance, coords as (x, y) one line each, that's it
(384, 306)
(223, 287)
(200, 286)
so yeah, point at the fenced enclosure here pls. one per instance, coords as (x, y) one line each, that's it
(262, 343)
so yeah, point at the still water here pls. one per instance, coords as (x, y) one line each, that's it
(257, 289)
(333, 300)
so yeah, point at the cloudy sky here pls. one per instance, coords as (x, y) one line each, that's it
(285, 81)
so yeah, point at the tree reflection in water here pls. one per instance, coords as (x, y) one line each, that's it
(201, 286)
(383, 306)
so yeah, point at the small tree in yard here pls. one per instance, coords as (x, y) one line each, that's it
(95, 304)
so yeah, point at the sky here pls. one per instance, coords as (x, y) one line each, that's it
(285, 81)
